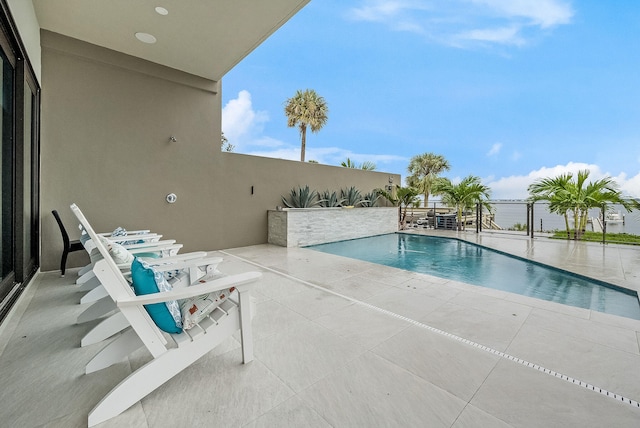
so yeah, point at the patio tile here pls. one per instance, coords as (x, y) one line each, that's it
(292, 413)
(410, 304)
(362, 325)
(357, 287)
(472, 417)
(372, 392)
(616, 321)
(447, 363)
(221, 392)
(275, 286)
(603, 366)
(323, 303)
(134, 417)
(487, 329)
(444, 289)
(608, 335)
(492, 305)
(305, 354)
(272, 317)
(523, 397)
(551, 306)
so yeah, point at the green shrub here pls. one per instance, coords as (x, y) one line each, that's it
(302, 197)
(330, 199)
(351, 196)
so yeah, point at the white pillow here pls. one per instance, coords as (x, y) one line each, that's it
(196, 309)
(120, 255)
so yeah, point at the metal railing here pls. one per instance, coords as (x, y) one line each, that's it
(524, 218)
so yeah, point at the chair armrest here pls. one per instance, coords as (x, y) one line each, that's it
(186, 264)
(130, 233)
(145, 237)
(176, 258)
(239, 281)
(150, 244)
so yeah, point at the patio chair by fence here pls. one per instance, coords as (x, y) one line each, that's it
(69, 246)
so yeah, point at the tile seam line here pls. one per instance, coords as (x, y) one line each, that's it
(577, 382)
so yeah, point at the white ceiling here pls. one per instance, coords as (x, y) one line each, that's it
(202, 37)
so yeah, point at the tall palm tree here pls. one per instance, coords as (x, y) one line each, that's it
(462, 196)
(576, 197)
(424, 169)
(306, 108)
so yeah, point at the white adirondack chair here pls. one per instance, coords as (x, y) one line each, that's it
(232, 315)
(194, 265)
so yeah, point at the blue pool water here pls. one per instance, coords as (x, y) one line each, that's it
(473, 264)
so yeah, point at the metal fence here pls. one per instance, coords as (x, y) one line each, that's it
(520, 217)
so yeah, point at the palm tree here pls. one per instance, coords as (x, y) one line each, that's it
(367, 165)
(404, 197)
(424, 170)
(556, 191)
(576, 197)
(462, 196)
(306, 108)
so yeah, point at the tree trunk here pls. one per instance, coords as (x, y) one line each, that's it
(303, 138)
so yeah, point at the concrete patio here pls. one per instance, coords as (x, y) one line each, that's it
(345, 343)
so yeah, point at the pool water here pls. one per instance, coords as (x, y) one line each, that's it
(465, 262)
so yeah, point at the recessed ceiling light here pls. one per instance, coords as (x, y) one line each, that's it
(146, 38)
(162, 10)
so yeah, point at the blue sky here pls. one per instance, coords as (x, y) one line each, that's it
(507, 90)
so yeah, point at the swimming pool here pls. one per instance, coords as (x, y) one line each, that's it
(465, 262)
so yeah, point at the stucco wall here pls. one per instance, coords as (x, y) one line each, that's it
(106, 123)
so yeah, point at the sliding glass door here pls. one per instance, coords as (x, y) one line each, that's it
(7, 248)
(19, 165)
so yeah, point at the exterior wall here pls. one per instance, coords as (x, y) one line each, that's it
(311, 226)
(25, 18)
(106, 122)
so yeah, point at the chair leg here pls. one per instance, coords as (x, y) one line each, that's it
(107, 328)
(95, 294)
(63, 261)
(115, 352)
(98, 309)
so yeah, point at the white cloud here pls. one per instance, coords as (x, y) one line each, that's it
(505, 35)
(241, 123)
(326, 155)
(495, 149)
(463, 23)
(515, 186)
(545, 13)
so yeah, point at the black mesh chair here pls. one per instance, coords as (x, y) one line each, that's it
(69, 246)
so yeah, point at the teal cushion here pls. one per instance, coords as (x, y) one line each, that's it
(147, 281)
(149, 255)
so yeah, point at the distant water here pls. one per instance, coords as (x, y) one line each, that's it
(508, 214)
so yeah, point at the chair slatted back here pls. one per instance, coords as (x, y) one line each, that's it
(118, 288)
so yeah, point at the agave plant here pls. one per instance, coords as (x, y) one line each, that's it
(330, 199)
(370, 199)
(351, 196)
(302, 197)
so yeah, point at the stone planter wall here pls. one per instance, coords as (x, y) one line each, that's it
(299, 227)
